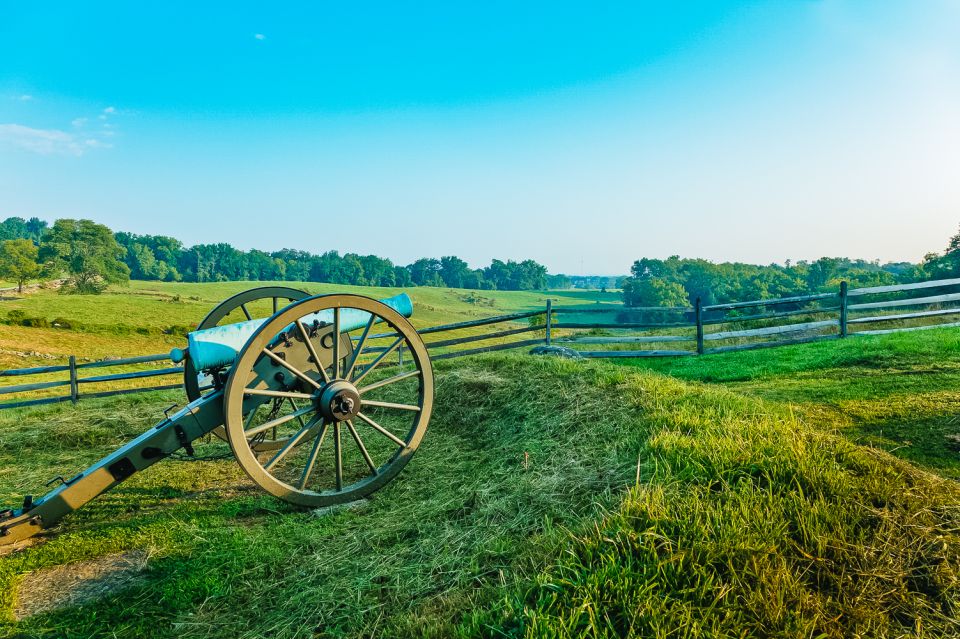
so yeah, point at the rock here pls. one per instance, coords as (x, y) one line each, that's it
(556, 351)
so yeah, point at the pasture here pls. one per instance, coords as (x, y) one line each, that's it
(799, 491)
(152, 317)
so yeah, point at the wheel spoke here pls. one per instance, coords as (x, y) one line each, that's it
(313, 351)
(338, 456)
(263, 392)
(389, 380)
(380, 358)
(295, 407)
(282, 362)
(383, 431)
(291, 443)
(311, 460)
(253, 413)
(336, 348)
(276, 422)
(363, 449)
(243, 307)
(269, 393)
(359, 349)
(370, 402)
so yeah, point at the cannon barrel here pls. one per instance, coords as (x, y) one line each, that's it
(218, 346)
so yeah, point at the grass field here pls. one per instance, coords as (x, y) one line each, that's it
(142, 314)
(153, 317)
(899, 392)
(744, 494)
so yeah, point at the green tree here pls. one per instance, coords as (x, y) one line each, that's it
(453, 271)
(87, 252)
(426, 272)
(653, 291)
(949, 264)
(18, 261)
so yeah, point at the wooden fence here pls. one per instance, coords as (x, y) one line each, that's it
(608, 331)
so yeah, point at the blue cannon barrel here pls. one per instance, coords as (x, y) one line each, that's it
(219, 346)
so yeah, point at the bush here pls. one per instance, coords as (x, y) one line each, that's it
(178, 329)
(35, 322)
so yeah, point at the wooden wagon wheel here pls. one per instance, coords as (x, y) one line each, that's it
(246, 303)
(369, 409)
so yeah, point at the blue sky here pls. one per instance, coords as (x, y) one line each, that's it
(583, 135)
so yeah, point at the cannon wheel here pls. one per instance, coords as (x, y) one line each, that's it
(337, 404)
(281, 296)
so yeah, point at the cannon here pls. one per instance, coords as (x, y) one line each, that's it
(313, 405)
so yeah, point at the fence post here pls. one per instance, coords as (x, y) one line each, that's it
(74, 390)
(843, 308)
(699, 317)
(549, 319)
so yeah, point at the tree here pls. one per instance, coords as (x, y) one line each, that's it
(88, 252)
(18, 261)
(949, 264)
(453, 271)
(652, 291)
(426, 272)
(13, 228)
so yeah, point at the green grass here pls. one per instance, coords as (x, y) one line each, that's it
(549, 499)
(151, 317)
(156, 306)
(899, 392)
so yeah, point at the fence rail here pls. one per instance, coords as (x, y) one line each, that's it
(611, 329)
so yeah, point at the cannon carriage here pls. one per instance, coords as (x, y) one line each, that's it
(312, 400)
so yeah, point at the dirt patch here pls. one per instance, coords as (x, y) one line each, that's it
(78, 583)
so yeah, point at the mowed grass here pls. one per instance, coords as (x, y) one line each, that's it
(899, 392)
(549, 499)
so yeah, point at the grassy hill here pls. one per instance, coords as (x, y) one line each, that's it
(549, 499)
(898, 392)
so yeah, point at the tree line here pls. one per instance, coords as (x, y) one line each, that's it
(678, 281)
(92, 256)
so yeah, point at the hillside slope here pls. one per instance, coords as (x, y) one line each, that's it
(550, 498)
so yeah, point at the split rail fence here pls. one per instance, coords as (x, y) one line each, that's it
(602, 330)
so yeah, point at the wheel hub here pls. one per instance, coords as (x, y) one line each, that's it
(338, 401)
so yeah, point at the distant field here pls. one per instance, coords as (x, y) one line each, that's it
(136, 319)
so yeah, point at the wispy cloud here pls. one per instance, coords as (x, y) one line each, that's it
(47, 141)
(78, 122)
(44, 141)
(259, 36)
(25, 97)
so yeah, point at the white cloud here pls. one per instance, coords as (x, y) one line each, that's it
(43, 141)
(110, 110)
(93, 143)
(78, 122)
(259, 36)
(25, 97)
